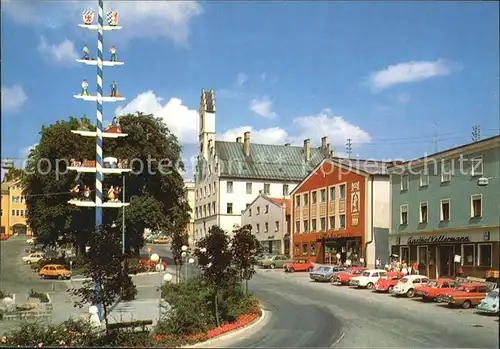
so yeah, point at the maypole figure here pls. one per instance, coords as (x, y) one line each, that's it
(114, 88)
(86, 53)
(112, 50)
(85, 88)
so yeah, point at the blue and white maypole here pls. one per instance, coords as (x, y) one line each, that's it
(113, 131)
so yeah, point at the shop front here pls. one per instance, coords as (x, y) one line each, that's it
(338, 249)
(472, 252)
(271, 245)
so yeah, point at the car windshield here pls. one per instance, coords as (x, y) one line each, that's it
(433, 284)
(366, 273)
(493, 294)
(403, 280)
(324, 269)
(463, 288)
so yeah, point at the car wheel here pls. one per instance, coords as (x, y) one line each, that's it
(291, 270)
(310, 269)
(466, 304)
(272, 266)
(369, 286)
(59, 277)
(390, 289)
(410, 293)
(29, 262)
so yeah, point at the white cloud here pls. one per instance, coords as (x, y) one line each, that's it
(409, 72)
(182, 121)
(13, 98)
(263, 107)
(241, 79)
(314, 127)
(60, 53)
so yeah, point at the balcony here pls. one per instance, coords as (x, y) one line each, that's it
(322, 209)
(331, 207)
(342, 206)
(297, 212)
(314, 210)
(305, 212)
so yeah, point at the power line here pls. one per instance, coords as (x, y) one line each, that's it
(348, 147)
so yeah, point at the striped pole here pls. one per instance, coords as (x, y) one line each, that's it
(98, 148)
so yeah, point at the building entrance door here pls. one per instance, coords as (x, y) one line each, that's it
(445, 261)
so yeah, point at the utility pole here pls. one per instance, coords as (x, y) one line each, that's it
(476, 133)
(348, 147)
(436, 125)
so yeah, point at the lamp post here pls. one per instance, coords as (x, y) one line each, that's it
(155, 258)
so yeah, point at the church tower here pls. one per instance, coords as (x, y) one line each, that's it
(207, 121)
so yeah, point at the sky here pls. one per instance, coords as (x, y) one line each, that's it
(400, 79)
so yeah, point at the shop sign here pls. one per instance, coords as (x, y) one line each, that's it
(270, 237)
(437, 239)
(355, 204)
(336, 235)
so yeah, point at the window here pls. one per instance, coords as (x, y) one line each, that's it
(250, 213)
(476, 166)
(484, 255)
(258, 210)
(229, 208)
(306, 199)
(404, 182)
(297, 200)
(467, 255)
(476, 206)
(18, 213)
(342, 221)
(314, 197)
(322, 224)
(267, 209)
(297, 249)
(266, 228)
(306, 226)
(331, 223)
(285, 190)
(322, 195)
(13, 212)
(331, 194)
(213, 208)
(417, 281)
(249, 188)
(423, 212)
(403, 210)
(267, 188)
(229, 187)
(277, 226)
(313, 225)
(342, 192)
(313, 250)
(297, 227)
(446, 172)
(257, 228)
(305, 251)
(424, 179)
(445, 210)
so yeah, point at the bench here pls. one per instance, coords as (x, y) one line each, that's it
(131, 325)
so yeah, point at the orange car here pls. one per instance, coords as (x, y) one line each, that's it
(465, 295)
(55, 271)
(434, 288)
(299, 265)
(343, 278)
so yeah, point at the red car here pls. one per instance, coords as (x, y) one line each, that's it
(152, 265)
(343, 278)
(387, 283)
(299, 265)
(466, 295)
(434, 289)
(4, 237)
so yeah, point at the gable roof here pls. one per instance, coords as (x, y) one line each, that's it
(266, 161)
(6, 185)
(362, 167)
(281, 202)
(274, 201)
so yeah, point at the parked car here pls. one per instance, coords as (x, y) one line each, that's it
(261, 257)
(367, 279)
(434, 288)
(4, 237)
(31, 241)
(150, 265)
(343, 277)
(277, 261)
(490, 303)
(299, 265)
(36, 248)
(55, 271)
(406, 286)
(33, 257)
(325, 273)
(465, 295)
(161, 240)
(387, 283)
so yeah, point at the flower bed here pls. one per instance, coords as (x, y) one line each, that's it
(242, 321)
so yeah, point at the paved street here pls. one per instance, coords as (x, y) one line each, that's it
(308, 314)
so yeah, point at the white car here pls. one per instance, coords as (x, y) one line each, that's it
(33, 258)
(31, 241)
(407, 285)
(367, 279)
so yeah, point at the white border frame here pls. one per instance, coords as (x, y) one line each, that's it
(326, 195)
(424, 174)
(420, 212)
(401, 214)
(407, 182)
(345, 221)
(426, 253)
(345, 192)
(401, 252)
(472, 197)
(472, 172)
(315, 191)
(334, 222)
(304, 202)
(473, 255)
(297, 203)
(441, 215)
(328, 198)
(446, 165)
(316, 221)
(479, 255)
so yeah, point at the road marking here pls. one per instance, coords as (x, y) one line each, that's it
(338, 340)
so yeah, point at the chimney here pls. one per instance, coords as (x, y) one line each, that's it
(332, 153)
(324, 142)
(307, 150)
(239, 140)
(246, 145)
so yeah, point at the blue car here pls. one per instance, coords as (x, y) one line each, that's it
(325, 274)
(489, 304)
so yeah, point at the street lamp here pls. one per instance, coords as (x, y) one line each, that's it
(113, 225)
(484, 181)
(166, 278)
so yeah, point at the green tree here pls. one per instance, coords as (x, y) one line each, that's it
(154, 188)
(104, 265)
(244, 246)
(215, 257)
(13, 174)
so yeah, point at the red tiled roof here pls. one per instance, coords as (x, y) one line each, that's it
(280, 202)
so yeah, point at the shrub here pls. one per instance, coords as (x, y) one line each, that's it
(40, 295)
(4, 294)
(129, 291)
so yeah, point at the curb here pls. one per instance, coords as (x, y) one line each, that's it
(230, 334)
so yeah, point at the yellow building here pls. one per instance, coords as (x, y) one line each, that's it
(14, 209)
(190, 188)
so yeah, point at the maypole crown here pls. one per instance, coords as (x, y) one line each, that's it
(112, 17)
(88, 17)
